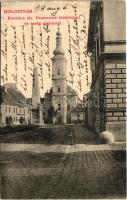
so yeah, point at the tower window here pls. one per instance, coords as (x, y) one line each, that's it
(58, 89)
(78, 115)
(59, 106)
(58, 71)
(68, 107)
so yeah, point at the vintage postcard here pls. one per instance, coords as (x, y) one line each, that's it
(63, 99)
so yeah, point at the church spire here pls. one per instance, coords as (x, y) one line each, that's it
(58, 50)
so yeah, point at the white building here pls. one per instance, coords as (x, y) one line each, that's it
(78, 114)
(15, 108)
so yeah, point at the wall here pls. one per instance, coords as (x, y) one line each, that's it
(115, 91)
(114, 20)
(72, 101)
(109, 72)
(15, 115)
(74, 116)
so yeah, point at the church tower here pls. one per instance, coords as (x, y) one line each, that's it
(59, 81)
(35, 89)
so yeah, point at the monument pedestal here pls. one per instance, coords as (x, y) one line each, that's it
(37, 116)
(41, 120)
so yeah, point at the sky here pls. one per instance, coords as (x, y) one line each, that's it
(26, 42)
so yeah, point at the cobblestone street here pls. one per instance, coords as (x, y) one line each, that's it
(81, 169)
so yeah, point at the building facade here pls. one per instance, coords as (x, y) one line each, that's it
(106, 45)
(15, 109)
(75, 111)
(59, 81)
(78, 114)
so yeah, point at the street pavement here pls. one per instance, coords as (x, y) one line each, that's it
(80, 169)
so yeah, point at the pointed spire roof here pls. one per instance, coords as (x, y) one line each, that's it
(58, 50)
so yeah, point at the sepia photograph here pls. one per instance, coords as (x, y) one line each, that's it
(63, 99)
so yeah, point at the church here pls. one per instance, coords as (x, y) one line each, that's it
(60, 105)
(59, 81)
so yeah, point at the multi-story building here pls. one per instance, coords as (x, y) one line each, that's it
(106, 44)
(15, 108)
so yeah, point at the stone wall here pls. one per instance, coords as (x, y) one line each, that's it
(115, 93)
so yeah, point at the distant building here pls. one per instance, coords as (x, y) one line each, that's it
(78, 114)
(74, 114)
(72, 98)
(15, 108)
(106, 43)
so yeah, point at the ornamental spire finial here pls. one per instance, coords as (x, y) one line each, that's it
(58, 50)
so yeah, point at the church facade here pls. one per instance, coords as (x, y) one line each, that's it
(61, 105)
(59, 82)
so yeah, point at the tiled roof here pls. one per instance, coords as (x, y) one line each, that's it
(14, 98)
